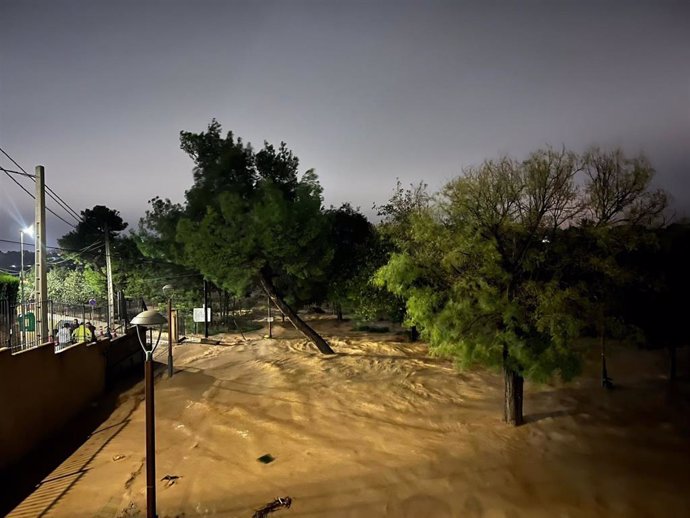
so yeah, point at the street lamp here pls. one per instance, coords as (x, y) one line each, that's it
(149, 319)
(30, 232)
(168, 291)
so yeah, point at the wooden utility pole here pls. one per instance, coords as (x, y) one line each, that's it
(40, 258)
(109, 273)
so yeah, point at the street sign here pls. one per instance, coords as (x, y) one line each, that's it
(27, 323)
(199, 314)
(270, 319)
(92, 302)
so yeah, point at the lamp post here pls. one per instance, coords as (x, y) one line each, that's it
(149, 319)
(30, 232)
(168, 290)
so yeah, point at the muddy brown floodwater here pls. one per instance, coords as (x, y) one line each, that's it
(379, 429)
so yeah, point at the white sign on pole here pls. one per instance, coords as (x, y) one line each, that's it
(199, 314)
(269, 319)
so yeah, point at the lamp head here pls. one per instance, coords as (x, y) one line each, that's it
(149, 318)
(29, 231)
(168, 289)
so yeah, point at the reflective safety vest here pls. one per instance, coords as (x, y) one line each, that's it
(82, 334)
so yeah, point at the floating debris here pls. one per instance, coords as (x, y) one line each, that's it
(278, 503)
(266, 459)
(170, 479)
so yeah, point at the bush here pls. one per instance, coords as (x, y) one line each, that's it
(9, 286)
(371, 328)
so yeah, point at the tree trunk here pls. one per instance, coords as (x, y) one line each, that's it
(299, 324)
(604, 371)
(512, 412)
(606, 382)
(414, 334)
(339, 311)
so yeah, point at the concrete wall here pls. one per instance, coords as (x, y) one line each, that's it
(41, 390)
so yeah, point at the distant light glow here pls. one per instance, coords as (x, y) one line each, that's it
(29, 231)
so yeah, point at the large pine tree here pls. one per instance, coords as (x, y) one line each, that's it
(249, 218)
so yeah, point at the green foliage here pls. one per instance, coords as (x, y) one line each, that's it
(247, 214)
(490, 270)
(80, 245)
(9, 287)
(358, 252)
(74, 286)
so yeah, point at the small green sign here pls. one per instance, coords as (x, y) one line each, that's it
(27, 323)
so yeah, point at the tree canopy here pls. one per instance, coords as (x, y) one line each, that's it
(249, 218)
(482, 267)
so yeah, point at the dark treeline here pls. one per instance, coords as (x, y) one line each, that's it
(507, 267)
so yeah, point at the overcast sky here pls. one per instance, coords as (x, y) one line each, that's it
(363, 92)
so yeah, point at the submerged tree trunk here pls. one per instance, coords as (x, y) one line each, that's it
(299, 324)
(606, 382)
(513, 392)
(514, 383)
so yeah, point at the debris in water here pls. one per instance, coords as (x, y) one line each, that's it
(266, 459)
(170, 479)
(262, 512)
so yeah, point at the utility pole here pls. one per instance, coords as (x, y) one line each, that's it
(40, 237)
(109, 273)
(21, 283)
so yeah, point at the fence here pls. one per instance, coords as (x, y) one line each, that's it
(19, 326)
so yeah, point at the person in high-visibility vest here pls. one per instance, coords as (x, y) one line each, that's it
(82, 334)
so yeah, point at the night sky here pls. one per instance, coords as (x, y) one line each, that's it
(363, 92)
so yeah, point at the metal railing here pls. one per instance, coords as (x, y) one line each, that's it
(68, 319)
(20, 324)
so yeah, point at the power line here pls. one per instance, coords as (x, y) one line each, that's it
(66, 205)
(84, 250)
(52, 194)
(51, 247)
(14, 161)
(16, 172)
(20, 185)
(33, 197)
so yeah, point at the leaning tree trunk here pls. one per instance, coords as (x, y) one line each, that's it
(299, 324)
